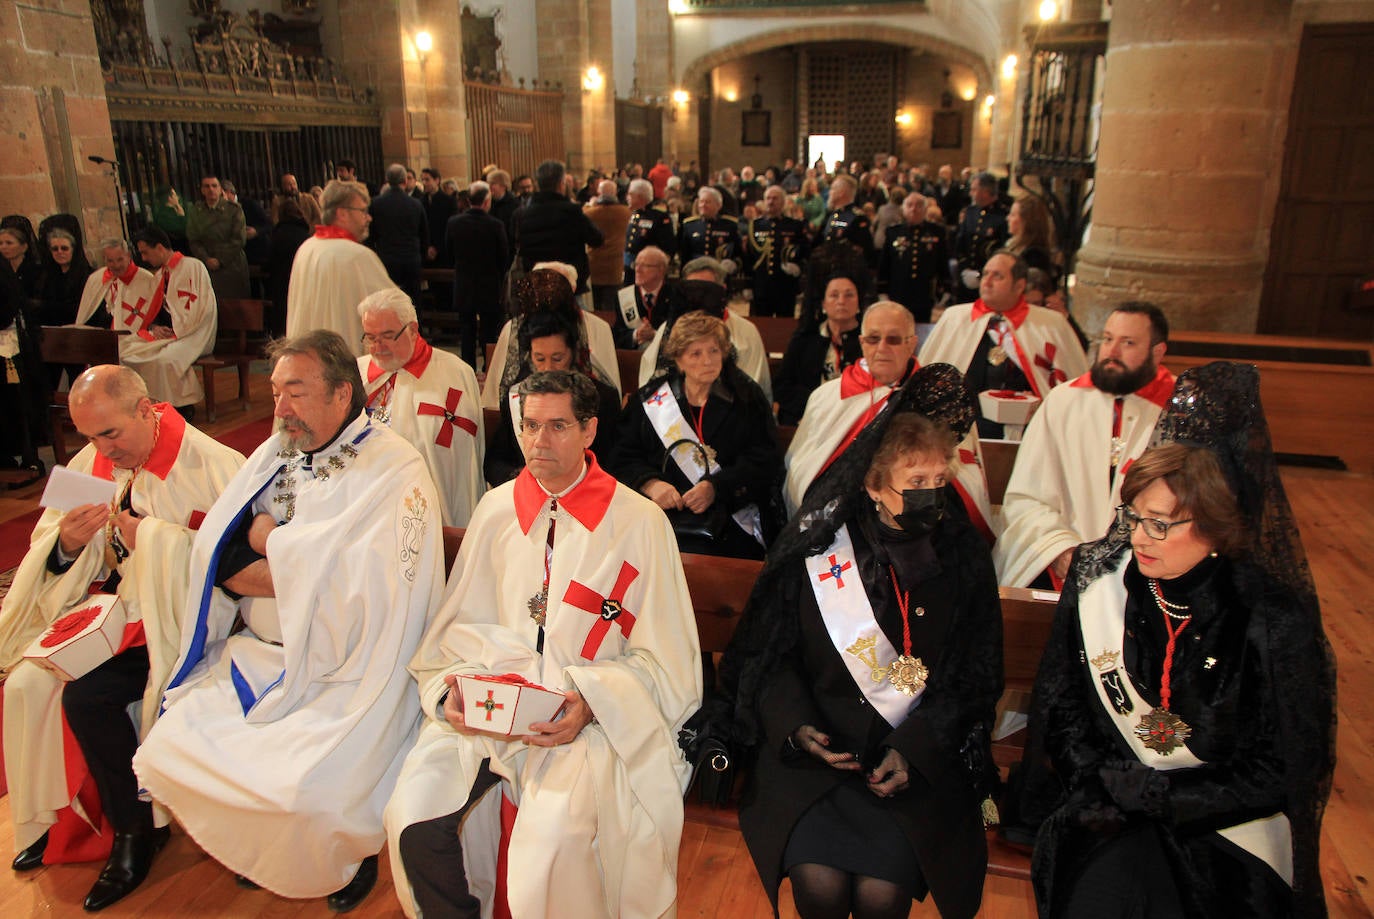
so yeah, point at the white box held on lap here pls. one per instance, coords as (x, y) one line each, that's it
(1005, 406)
(506, 703)
(82, 640)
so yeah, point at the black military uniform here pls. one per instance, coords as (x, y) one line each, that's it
(648, 226)
(981, 232)
(718, 238)
(915, 265)
(852, 226)
(768, 245)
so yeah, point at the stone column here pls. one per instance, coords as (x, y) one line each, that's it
(1193, 115)
(445, 97)
(574, 34)
(54, 116)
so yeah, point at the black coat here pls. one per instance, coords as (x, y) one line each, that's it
(287, 238)
(477, 250)
(400, 229)
(914, 265)
(960, 640)
(806, 360)
(665, 303)
(439, 207)
(553, 229)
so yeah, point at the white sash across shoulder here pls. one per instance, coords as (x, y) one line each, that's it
(1102, 623)
(666, 417)
(855, 633)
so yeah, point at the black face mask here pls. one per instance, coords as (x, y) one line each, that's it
(922, 509)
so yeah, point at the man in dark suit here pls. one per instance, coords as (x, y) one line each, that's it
(649, 226)
(477, 246)
(654, 297)
(553, 228)
(400, 232)
(982, 230)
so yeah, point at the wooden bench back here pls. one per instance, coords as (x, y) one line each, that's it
(999, 457)
(237, 319)
(776, 332)
(80, 344)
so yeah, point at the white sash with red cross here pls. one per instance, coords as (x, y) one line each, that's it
(666, 417)
(855, 633)
(1102, 624)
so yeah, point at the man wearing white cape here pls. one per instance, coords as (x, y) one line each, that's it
(118, 297)
(178, 326)
(333, 270)
(838, 410)
(428, 396)
(751, 355)
(572, 581)
(166, 476)
(1066, 483)
(280, 743)
(1001, 342)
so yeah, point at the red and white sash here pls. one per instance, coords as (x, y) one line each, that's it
(853, 630)
(666, 417)
(1102, 624)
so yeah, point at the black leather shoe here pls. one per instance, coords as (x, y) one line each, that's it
(130, 859)
(350, 895)
(246, 883)
(32, 857)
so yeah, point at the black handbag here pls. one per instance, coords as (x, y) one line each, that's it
(710, 524)
(713, 771)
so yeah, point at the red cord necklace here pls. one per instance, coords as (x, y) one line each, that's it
(907, 674)
(1161, 729)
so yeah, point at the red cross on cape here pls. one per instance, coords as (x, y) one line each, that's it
(449, 412)
(136, 317)
(608, 609)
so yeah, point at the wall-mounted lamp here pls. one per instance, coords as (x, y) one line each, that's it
(424, 43)
(677, 7)
(1049, 11)
(1009, 66)
(730, 95)
(904, 119)
(681, 97)
(989, 101)
(969, 93)
(593, 80)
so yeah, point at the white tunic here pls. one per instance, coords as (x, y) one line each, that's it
(167, 364)
(599, 819)
(176, 487)
(433, 403)
(329, 278)
(1063, 490)
(1042, 344)
(835, 413)
(600, 343)
(744, 335)
(278, 758)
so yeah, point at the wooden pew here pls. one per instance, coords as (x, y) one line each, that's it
(72, 345)
(776, 332)
(238, 319)
(999, 456)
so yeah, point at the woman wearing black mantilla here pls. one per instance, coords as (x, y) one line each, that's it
(1185, 702)
(864, 674)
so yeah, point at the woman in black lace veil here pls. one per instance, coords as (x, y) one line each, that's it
(545, 289)
(1189, 783)
(862, 804)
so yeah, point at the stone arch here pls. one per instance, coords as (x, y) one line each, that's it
(698, 69)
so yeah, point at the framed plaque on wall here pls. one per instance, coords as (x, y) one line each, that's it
(757, 129)
(947, 131)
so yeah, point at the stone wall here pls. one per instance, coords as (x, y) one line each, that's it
(54, 116)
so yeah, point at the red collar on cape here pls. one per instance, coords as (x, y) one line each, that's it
(124, 278)
(855, 379)
(419, 360)
(1158, 390)
(332, 232)
(588, 502)
(1016, 315)
(171, 430)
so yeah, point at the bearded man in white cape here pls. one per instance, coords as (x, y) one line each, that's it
(279, 744)
(1066, 483)
(426, 395)
(572, 581)
(179, 325)
(1000, 342)
(751, 355)
(333, 270)
(166, 476)
(838, 410)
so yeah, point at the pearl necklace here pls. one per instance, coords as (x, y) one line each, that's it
(1172, 610)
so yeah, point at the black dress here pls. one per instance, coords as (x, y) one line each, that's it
(737, 422)
(934, 828)
(1109, 814)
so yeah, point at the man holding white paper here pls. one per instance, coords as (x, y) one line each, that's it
(163, 476)
(571, 581)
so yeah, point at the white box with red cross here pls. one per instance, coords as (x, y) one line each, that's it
(506, 703)
(81, 640)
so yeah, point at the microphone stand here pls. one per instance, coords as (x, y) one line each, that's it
(120, 203)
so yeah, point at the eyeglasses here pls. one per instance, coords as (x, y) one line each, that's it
(389, 337)
(60, 248)
(1155, 528)
(874, 341)
(558, 427)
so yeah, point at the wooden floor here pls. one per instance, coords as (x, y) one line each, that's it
(716, 877)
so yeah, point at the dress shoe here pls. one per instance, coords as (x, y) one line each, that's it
(131, 857)
(32, 857)
(353, 893)
(246, 882)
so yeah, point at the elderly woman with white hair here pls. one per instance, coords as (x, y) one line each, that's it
(426, 395)
(541, 289)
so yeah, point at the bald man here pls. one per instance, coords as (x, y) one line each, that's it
(166, 476)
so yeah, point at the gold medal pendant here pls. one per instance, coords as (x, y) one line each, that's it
(908, 675)
(1163, 731)
(539, 606)
(997, 355)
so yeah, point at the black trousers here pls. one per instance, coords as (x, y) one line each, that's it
(96, 707)
(433, 859)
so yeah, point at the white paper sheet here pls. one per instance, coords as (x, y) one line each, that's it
(67, 489)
